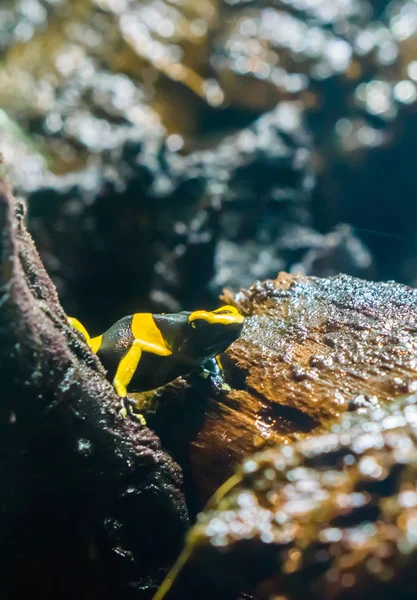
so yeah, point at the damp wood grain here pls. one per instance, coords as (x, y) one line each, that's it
(311, 349)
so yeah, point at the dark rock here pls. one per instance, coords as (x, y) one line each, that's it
(91, 505)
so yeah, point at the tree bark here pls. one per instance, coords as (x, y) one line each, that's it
(91, 506)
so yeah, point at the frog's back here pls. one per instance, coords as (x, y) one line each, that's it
(152, 370)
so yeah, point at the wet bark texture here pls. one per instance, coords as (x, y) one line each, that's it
(90, 505)
(311, 349)
(331, 517)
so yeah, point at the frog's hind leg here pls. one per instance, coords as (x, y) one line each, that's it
(130, 361)
(94, 343)
(127, 368)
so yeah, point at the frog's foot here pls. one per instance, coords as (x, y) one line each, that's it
(128, 410)
(123, 412)
(204, 373)
(216, 379)
(210, 367)
(226, 387)
(139, 417)
(212, 371)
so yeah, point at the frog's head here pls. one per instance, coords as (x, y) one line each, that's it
(211, 332)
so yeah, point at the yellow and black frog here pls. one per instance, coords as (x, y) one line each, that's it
(145, 351)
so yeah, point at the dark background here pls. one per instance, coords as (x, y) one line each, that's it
(167, 151)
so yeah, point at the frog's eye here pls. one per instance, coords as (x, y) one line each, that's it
(198, 323)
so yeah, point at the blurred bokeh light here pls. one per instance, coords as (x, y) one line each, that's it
(234, 137)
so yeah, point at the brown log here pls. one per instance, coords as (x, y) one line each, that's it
(332, 517)
(310, 350)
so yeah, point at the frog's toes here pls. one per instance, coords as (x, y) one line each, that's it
(205, 373)
(128, 410)
(140, 418)
(123, 412)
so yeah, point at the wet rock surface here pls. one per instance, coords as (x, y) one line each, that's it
(331, 517)
(310, 350)
(79, 484)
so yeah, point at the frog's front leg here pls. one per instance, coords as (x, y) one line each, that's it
(212, 368)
